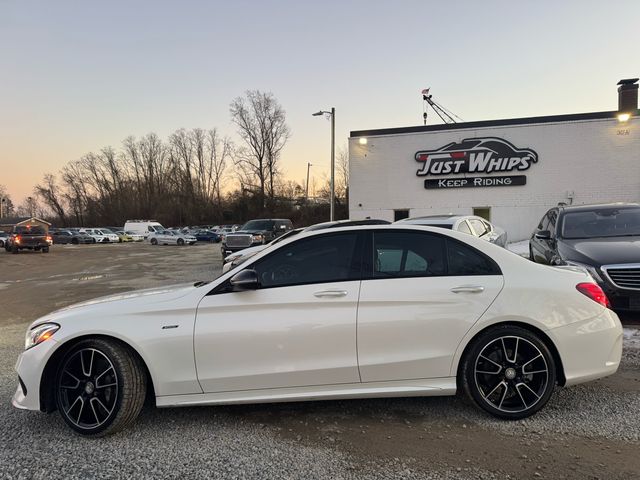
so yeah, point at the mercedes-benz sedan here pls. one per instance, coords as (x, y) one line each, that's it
(366, 311)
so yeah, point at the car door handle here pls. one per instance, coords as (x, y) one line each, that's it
(468, 289)
(330, 293)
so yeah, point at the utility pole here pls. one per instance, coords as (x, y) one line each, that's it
(333, 164)
(2, 200)
(306, 192)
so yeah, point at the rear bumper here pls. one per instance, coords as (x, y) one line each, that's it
(589, 349)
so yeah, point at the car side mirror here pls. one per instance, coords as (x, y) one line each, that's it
(245, 280)
(543, 235)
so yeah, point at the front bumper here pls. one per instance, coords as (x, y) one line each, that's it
(30, 366)
(589, 349)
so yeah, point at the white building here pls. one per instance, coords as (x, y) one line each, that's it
(508, 171)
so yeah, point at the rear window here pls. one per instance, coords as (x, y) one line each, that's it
(258, 225)
(30, 230)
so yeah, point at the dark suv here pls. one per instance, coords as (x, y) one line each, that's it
(255, 232)
(603, 239)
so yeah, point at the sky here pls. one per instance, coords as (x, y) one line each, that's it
(77, 76)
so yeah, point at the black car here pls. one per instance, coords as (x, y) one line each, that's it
(603, 239)
(255, 232)
(64, 237)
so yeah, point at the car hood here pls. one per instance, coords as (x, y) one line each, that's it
(601, 251)
(143, 297)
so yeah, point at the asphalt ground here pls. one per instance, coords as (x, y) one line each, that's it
(587, 431)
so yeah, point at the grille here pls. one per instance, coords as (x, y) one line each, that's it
(237, 240)
(624, 276)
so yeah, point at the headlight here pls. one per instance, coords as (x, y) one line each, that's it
(593, 271)
(257, 238)
(39, 334)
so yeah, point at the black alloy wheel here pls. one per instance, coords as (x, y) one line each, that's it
(509, 372)
(100, 387)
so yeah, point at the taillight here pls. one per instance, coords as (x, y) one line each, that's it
(17, 239)
(594, 292)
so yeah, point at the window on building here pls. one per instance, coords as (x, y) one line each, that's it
(484, 212)
(400, 214)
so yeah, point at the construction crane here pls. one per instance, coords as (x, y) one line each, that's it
(445, 115)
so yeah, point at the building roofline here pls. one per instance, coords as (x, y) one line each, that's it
(573, 117)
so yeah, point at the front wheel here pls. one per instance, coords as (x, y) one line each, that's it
(153, 241)
(100, 387)
(509, 372)
(180, 241)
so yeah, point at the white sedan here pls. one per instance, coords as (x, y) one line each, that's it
(169, 237)
(352, 312)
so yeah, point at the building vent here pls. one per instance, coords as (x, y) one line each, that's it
(628, 95)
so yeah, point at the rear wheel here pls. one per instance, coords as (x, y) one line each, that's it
(45, 249)
(100, 387)
(14, 249)
(180, 241)
(509, 372)
(154, 241)
(74, 241)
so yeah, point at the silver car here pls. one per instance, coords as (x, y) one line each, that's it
(469, 224)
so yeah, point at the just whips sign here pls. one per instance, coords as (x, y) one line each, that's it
(475, 155)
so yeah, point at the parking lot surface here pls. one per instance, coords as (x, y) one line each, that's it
(588, 431)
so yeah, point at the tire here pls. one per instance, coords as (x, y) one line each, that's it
(116, 403)
(531, 257)
(509, 372)
(94, 241)
(153, 241)
(75, 241)
(15, 250)
(45, 249)
(180, 241)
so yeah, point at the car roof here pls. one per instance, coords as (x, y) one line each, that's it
(347, 223)
(596, 206)
(432, 220)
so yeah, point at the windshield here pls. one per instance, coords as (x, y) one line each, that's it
(258, 225)
(611, 222)
(289, 234)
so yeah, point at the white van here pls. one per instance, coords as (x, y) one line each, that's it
(143, 227)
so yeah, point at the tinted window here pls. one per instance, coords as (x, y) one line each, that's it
(30, 230)
(464, 260)
(259, 225)
(464, 227)
(326, 258)
(407, 254)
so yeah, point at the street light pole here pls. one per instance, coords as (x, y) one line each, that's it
(333, 164)
(306, 193)
(333, 158)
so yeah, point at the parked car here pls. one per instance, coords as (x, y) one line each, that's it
(207, 236)
(143, 227)
(136, 237)
(64, 237)
(101, 235)
(28, 237)
(123, 236)
(3, 238)
(254, 232)
(352, 312)
(603, 239)
(469, 224)
(167, 237)
(241, 256)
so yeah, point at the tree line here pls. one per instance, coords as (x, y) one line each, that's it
(192, 177)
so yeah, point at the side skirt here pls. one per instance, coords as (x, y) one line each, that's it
(404, 388)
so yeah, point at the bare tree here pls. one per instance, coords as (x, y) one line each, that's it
(7, 204)
(261, 123)
(342, 179)
(50, 194)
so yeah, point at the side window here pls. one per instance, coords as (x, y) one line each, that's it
(478, 226)
(464, 227)
(407, 254)
(544, 223)
(464, 260)
(326, 258)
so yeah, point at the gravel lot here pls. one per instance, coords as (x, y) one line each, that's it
(589, 431)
